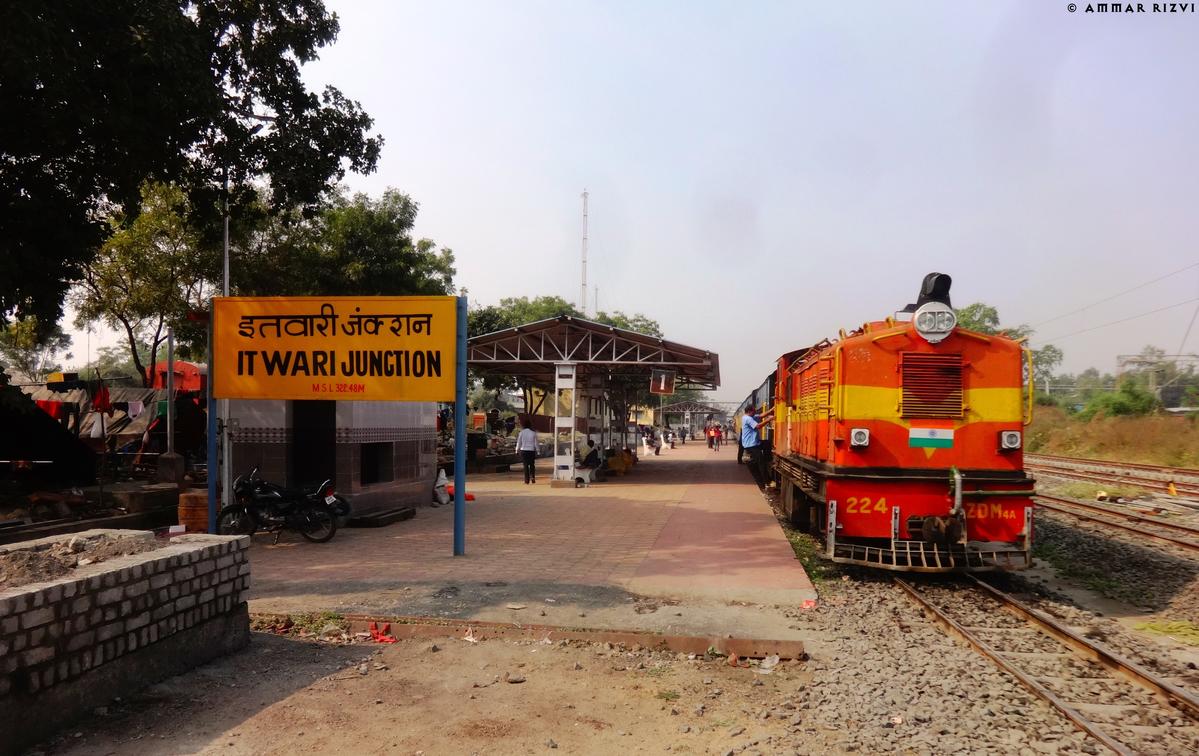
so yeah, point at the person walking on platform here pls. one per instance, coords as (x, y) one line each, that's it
(526, 447)
(751, 440)
(719, 436)
(710, 432)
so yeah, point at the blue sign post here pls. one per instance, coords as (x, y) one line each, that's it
(460, 435)
(213, 466)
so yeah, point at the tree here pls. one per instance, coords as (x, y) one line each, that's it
(355, 246)
(979, 317)
(984, 318)
(157, 267)
(1044, 362)
(1128, 399)
(96, 97)
(99, 97)
(636, 322)
(509, 313)
(148, 275)
(115, 363)
(515, 311)
(33, 351)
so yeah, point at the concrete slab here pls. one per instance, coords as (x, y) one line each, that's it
(679, 546)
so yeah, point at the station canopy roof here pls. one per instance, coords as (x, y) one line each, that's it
(709, 408)
(530, 351)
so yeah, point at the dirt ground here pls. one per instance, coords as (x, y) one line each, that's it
(283, 695)
(25, 566)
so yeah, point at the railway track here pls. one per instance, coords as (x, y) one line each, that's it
(1151, 477)
(1155, 528)
(1119, 703)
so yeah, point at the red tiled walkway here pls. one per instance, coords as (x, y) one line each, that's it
(687, 523)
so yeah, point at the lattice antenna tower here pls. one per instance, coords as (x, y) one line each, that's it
(583, 288)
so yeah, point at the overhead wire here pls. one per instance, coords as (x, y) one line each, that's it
(1190, 325)
(1115, 296)
(1121, 320)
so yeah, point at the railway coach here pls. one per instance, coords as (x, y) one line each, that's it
(901, 443)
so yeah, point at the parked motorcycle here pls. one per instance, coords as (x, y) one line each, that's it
(262, 506)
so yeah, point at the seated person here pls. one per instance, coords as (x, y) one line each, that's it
(591, 468)
(591, 460)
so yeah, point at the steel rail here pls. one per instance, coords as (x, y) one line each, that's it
(1065, 507)
(1175, 696)
(1113, 478)
(1185, 472)
(1149, 519)
(1185, 481)
(1068, 711)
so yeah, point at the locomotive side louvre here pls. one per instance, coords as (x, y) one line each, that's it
(910, 447)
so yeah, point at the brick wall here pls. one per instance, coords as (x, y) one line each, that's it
(55, 634)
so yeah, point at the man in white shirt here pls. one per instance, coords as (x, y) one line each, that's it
(526, 447)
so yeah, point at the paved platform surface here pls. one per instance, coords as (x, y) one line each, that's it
(678, 545)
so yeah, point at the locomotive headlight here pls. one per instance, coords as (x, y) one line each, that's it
(1009, 440)
(934, 321)
(859, 437)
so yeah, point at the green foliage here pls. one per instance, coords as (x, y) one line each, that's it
(31, 352)
(984, 318)
(515, 311)
(481, 397)
(100, 97)
(637, 322)
(156, 268)
(148, 275)
(96, 97)
(809, 551)
(1128, 399)
(355, 246)
(1044, 362)
(979, 317)
(117, 363)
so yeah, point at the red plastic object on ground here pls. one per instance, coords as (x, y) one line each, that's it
(382, 636)
(450, 490)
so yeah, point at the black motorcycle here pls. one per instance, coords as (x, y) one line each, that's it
(262, 506)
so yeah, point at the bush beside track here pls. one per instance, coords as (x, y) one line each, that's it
(1154, 440)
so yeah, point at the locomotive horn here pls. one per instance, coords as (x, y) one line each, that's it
(934, 288)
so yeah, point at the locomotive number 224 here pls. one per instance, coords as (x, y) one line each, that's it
(865, 505)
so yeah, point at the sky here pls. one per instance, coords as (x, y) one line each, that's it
(762, 174)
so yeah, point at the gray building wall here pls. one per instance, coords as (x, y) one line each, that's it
(385, 452)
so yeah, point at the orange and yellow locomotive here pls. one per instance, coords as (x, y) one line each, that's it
(901, 443)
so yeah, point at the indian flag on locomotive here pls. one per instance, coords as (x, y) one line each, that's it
(930, 438)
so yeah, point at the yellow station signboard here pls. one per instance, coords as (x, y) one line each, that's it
(357, 348)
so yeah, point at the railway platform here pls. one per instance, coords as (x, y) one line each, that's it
(681, 544)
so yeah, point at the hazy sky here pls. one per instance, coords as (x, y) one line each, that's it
(764, 173)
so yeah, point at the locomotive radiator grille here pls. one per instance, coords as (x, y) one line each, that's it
(932, 385)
